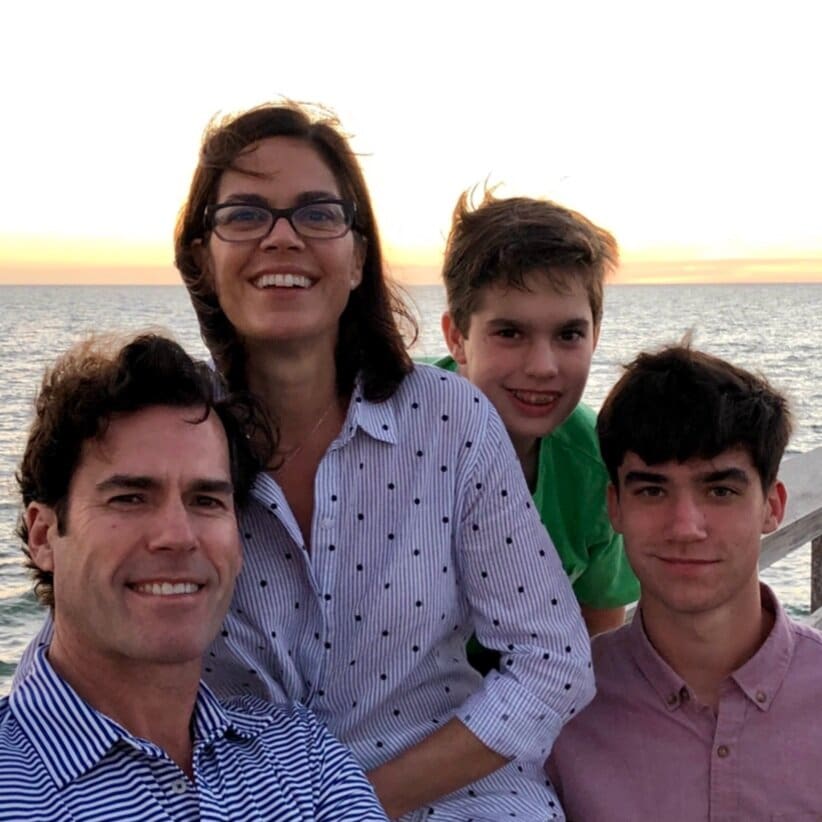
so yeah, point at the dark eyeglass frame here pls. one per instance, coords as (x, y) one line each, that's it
(349, 210)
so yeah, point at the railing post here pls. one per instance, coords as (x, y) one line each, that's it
(816, 573)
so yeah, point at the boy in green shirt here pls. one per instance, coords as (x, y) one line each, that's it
(524, 281)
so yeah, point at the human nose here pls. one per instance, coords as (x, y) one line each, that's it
(173, 529)
(687, 520)
(541, 359)
(282, 234)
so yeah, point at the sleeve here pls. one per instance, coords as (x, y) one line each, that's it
(41, 638)
(342, 791)
(522, 605)
(608, 581)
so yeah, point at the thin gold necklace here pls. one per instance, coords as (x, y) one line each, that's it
(289, 455)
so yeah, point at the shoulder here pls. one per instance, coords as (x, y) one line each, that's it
(609, 647)
(572, 451)
(7, 720)
(431, 394)
(23, 777)
(807, 638)
(578, 435)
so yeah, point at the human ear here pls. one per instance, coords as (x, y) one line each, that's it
(775, 501)
(41, 521)
(454, 339)
(614, 510)
(358, 260)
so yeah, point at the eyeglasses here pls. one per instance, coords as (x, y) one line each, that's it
(243, 222)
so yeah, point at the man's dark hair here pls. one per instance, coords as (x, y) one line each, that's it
(97, 380)
(679, 404)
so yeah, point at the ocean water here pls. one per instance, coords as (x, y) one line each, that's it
(770, 328)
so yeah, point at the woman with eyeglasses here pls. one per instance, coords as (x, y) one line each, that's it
(395, 520)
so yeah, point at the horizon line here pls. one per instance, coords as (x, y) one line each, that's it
(662, 271)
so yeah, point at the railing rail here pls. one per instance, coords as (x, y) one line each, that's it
(802, 475)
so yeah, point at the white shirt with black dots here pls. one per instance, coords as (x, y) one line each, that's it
(423, 532)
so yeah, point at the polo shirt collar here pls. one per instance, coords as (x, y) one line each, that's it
(70, 737)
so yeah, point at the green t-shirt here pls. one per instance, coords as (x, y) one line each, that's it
(570, 498)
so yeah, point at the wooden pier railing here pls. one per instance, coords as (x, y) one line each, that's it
(802, 475)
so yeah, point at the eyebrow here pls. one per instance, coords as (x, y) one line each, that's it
(303, 198)
(735, 474)
(644, 476)
(721, 475)
(137, 482)
(574, 322)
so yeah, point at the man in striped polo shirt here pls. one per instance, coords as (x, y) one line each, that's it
(129, 480)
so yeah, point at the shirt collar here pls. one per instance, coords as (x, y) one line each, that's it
(71, 737)
(762, 675)
(378, 420)
(759, 678)
(669, 685)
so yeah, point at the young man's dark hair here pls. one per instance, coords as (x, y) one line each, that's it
(701, 406)
(99, 379)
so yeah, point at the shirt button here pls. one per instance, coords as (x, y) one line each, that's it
(673, 699)
(761, 696)
(722, 751)
(178, 787)
(327, 522)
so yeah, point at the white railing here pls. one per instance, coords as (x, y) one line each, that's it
(802, 475)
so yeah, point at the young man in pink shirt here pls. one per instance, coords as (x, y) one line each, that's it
(707, 704)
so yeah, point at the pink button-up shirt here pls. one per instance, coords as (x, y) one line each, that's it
(646, 750)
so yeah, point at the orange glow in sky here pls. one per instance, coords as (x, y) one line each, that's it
(690, 131)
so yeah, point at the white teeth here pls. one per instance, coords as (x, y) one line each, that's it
(165, 589)
(282, 281)
(536, 397)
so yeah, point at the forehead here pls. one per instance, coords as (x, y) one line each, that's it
(545, 294)
(160, 442)
(692, 470)
(279, 163)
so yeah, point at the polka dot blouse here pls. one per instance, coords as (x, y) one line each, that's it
(423, 532)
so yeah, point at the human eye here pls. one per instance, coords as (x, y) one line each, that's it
(205, 501)
(722, 492)
(126, 500)
(211, 502)
(572, 334)
(508, 333)
(649, 491)
(240, 216)
(320, 215)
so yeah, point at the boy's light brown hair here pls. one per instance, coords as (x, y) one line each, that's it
(501, 241)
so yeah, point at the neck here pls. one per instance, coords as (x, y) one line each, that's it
(527, 450)
(706, 648)
(152, 701)
(297, 387)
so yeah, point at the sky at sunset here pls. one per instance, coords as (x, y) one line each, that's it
(691, 130)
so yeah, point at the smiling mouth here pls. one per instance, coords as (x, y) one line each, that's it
(282, 281)
(166, 589)
(538, 398)
(689, 563)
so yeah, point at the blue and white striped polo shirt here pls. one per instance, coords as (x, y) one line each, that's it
(62, 760)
